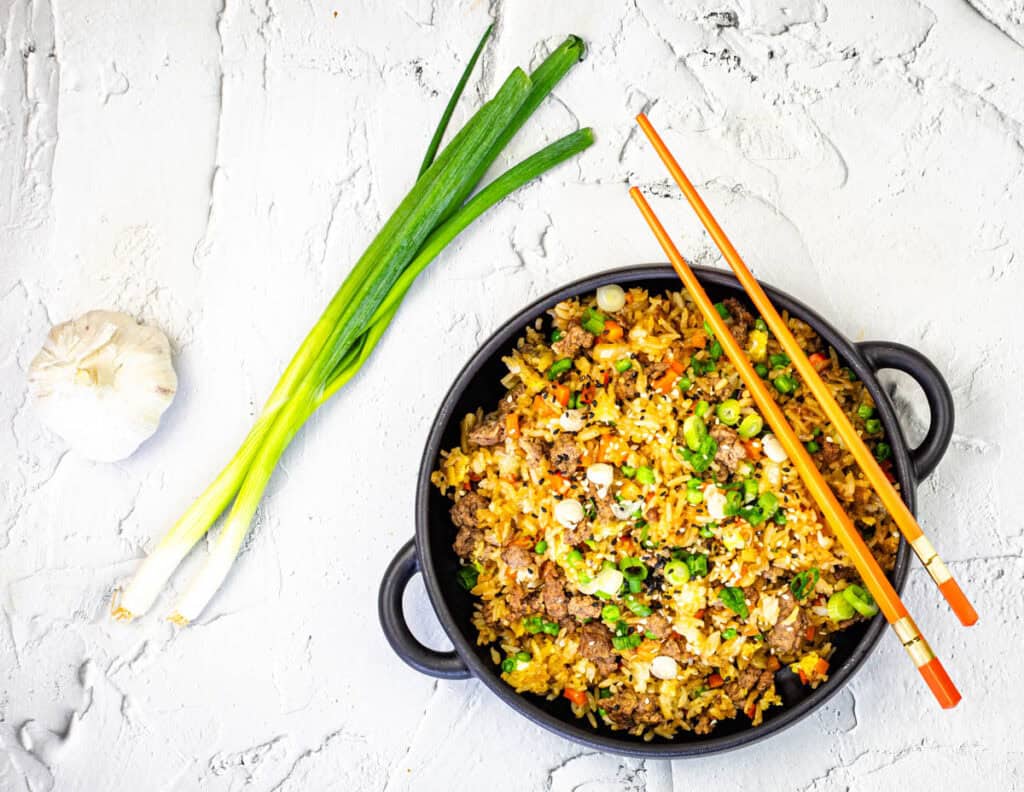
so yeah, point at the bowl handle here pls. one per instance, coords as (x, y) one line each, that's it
(889, 355)
(443, 665)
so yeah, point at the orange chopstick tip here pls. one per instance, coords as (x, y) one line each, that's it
(958, 602)
(940, 683)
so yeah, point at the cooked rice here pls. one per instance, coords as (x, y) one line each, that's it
(724, 663)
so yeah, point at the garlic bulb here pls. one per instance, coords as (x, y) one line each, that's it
(101, 382)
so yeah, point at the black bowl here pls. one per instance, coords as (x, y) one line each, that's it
(431, 554)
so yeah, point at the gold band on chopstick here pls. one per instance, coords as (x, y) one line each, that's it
(936, 567)
(915, 644)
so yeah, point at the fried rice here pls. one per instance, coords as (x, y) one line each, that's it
(636, 539)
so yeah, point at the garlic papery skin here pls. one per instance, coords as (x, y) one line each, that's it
(101, 382)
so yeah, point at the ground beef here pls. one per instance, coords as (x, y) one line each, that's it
(520, 601)
(654, 371)
(787, 637)
(516, 557)
(672, 648)
(658, 625)
(740, 320)
(829, 454)
(584, 607)
(463, 514)
(578, 535)
(628, 709)
(750, 679)
(574, 340)
(564, 455)
(625, 385)
(705, 723)
(508, 401)
(730, 448)
(553, 591)
(603, 505)
(534, 450)
(490, 432)
(596, 646)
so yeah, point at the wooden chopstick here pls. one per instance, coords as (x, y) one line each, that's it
(891, 499)
(874, 578)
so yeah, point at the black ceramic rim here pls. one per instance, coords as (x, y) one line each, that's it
(581, 732)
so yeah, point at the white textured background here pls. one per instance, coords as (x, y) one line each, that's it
(215, 169)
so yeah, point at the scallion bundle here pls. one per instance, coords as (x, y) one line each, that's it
(440, 205)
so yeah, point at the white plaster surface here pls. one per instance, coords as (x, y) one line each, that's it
(215, 168)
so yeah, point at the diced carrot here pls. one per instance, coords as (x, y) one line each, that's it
(749, 630)
(562, 394)
(751, 710)
(676, 366)
(512, 425)
(810, 632)
(715, 681)
(626, 545)
(612, 331)
(697, 340)
(559, 484)
(667, 382)
(467, 486)
(611, 449)
(577, 697)
(541, 406)
(629, 296)
(821, 667)
(773, 663)
(803, 676)
(818, 360)
(753, 449)
(523, 541)
(588, 394)
(699, 614)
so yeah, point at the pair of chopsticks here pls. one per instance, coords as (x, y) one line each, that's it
(878, 584)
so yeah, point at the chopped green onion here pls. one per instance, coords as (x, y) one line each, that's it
(550, 628)
(839, 609)
(883, 451)
(697, 564)
(812, 446)
(728, 412)
(700, 366)
(873, 426)
(722, 310)
(760, 325)
(467, 577)
(803, 583)
(707, 531)
(762, 370)
(778, 361)
(694, 484)
(676, 573)
(750, 489)
(628, 471)
(557, 335)
(701, 409)
(695, 497)
(633, 569)
(694, 431)
(780, 517)
(750, 426)
(541, 547)
(769, 503)
(610, 613)
(715, 350)
(645, 475)
(623, 365)
(622, 642)
(684, 383)
(784, 383)
(593, 321)
(558, 368)
(533, 624)
(861, 600)
(733, 598)
(637, 607)
(851, 375)
(729, 634)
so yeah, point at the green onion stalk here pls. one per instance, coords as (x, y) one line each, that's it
(440, 205)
